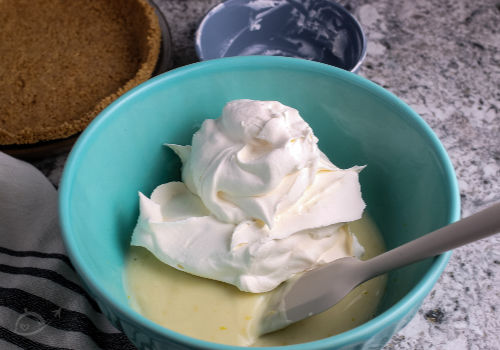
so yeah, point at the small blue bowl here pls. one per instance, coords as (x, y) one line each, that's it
(318, 30)
(409, 184)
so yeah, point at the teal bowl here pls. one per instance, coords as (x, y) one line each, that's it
(409, 183)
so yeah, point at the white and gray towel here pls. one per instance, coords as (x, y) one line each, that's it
(42, 302)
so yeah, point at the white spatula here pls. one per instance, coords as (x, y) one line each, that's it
(319, 289)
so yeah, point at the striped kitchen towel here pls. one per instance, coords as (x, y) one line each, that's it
(42, 302)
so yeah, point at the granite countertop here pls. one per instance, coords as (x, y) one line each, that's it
(443, 59)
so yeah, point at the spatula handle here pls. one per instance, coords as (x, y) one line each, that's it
(470, 229)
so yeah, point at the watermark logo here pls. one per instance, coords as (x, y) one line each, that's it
(30, 323)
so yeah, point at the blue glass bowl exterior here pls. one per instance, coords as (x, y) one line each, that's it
(409, 183)
(319, 30)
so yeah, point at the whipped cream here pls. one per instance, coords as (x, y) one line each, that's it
(259, 201)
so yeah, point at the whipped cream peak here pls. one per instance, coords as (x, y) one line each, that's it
(259, 201)
(264, 145)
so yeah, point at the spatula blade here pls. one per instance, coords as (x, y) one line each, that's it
(311, 293)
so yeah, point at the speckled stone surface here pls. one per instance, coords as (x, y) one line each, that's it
(443, 59)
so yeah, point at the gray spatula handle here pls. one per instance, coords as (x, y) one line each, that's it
(472, 228)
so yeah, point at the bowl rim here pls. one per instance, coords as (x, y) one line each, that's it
(360, 333)
(200, 30)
